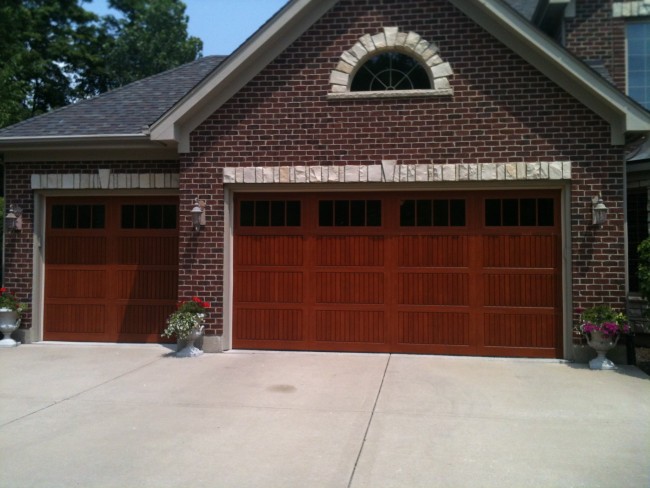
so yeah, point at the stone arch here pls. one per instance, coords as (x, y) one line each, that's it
(391, 39)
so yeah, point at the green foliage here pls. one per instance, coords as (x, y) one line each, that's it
(601, 314)
(643, 271)
(44, 48)
(9, 301)
(180, 324)
(56, 52)
(151, 37)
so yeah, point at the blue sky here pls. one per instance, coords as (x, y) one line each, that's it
(222, 25)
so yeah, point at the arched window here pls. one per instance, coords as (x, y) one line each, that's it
(391, 64)
(390, 71)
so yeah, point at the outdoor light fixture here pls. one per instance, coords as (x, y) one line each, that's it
(599, 210)
(198, 214)
(14, 219)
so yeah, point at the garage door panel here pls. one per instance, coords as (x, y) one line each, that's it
(142, 319)
(433, 289)
(269, 251)
(362, 326)
(146, 284)
(109, 277)
(430, 272)
(520, 290)
(84, 318)
(80, 250)
(268, 287)
(349, 251)
(75, 283)
(433, 251)
(350, 287)
(441, 328)
(145, 251)
(520, 330)
(520, 251)
(269, 324)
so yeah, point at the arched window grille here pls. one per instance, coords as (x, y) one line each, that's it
(391, 71)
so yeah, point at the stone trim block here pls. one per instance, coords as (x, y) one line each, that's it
(105, 180)
(638, 8)
(410, 43)
(391, 172)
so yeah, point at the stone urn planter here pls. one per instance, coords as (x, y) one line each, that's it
(602, 326)
(9, 322)
(186, 323)
(190, 350)
(602, 344)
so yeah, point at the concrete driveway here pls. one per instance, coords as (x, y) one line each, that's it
(132, 416)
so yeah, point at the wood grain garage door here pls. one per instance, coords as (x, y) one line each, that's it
(441, 273)
(111, 268)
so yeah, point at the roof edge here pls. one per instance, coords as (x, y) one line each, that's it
(238, 69)
(567, 71)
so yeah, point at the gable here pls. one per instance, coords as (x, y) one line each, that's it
(501, 108)
(494, 16)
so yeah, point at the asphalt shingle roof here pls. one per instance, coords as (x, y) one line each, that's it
(126, 110)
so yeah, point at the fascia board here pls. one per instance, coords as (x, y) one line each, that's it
(560, 66)
(96, 141)
(253, 56)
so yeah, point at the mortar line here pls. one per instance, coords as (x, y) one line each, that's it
(79, 393)
(372, 415)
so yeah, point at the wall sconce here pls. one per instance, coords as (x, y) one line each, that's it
(599, 210)
(198, 214)
(14, 219)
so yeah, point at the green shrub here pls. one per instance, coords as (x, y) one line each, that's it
(643, 271)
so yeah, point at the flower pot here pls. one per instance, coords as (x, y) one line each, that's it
(190, 351)
(9, 322)
(602, 344)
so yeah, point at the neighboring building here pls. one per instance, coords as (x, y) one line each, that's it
(407, 176)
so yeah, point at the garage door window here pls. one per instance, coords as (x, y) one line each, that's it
(149, 216)
(432, 213)
(519, 212)
(270, 213)
(78, 217)
(349, 213)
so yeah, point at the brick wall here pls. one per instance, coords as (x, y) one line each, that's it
(502, 110)
(594, 34)
(19, 246)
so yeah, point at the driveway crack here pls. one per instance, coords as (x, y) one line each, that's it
(372, 414)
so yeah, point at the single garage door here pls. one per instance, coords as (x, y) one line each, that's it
(473, 273)
(111, 268)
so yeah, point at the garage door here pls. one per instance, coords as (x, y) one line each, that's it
(439, 273)
(111, 268)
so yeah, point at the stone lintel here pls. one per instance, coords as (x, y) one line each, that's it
(389, 171)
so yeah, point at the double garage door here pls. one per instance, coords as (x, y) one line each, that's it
(111, 268)
(475, 273)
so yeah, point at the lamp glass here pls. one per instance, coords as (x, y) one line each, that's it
(10, 221)
(600, 212)
(196, 217)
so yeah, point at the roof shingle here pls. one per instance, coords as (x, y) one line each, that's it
(127, 110)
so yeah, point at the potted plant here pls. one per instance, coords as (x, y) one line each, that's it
(602, 326)
(186, 323)
(11, 311)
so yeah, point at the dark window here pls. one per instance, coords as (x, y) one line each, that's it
(391, 71)
(149, 216)
(638, 62)
(637, 228)
(269, 213)
(432, 213)
(349, 213)
(523, 212)
(77, 217)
